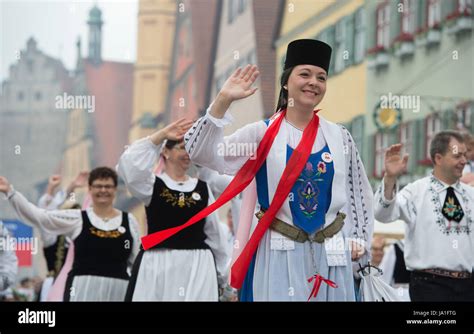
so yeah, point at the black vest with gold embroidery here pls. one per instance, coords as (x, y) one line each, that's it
(102, 253)
(55, 256)
(170, 208)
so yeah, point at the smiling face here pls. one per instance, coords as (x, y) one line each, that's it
(470, 149)
(306, 86)
(452, 162)
(103, 191)
(177, 157)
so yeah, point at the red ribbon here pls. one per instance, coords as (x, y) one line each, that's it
(318, 279)
(241, 180)
(292, 171)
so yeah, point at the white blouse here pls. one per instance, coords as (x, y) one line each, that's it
(69, 222)
(213, 151)
(431, 241)
(207, 146)
(136, 168)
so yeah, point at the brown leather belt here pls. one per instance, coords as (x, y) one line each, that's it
(298, 235)
(447, 273)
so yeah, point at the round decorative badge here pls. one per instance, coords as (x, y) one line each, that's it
(196, 196)
(327, 157)
(121, 229)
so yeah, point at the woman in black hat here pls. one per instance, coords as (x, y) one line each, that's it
(314, 198)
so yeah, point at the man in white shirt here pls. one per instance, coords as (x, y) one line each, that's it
(437, 209)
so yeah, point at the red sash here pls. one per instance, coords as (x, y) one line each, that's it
(241, 180)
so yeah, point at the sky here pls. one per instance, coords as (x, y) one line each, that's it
(56, 24)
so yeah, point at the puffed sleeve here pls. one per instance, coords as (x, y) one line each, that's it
(207, 146)
(55, 222)
(401, 206)
(359, 208)
(135, 167)
(49, 202)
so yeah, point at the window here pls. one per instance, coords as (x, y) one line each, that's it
(252, 57)
(330, 35)
(236, 7)
(465, 7)
(219, 83)
(408, 17)
(381, 144)
(349, 41)
(463, 115)
(242, 5)
(434, 13)
(231, 12)
(359, 38)
(433, 125)
(383, 25)
(340, 36)
(29, 64)
(357, 132)
(406, 139)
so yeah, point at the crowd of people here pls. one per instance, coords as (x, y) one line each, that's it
(302, 210)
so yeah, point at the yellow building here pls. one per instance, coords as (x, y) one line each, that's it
(340, 24)
(156, 33)
(156, 27)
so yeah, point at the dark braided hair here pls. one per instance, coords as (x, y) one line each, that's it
(283, 98)
(172, 143)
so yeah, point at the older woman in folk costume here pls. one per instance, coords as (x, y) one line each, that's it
(191, 265)
(105, 239)
(313, 193)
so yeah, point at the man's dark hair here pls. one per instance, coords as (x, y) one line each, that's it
(440, 142)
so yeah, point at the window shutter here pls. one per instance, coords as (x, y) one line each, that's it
(448, 7)
(331, 41)
(372, 28)
(395, 20)
(447, 120)
(419, 140)
(369, 164)
(421, 14)
(349, 42)
(360, 36)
